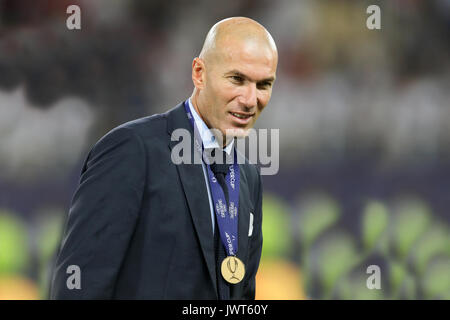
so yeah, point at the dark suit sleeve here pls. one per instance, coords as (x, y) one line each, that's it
(255, 242)
(102, 217)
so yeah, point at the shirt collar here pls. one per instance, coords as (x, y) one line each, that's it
(208, 139)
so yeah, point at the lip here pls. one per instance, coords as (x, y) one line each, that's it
(239, 120)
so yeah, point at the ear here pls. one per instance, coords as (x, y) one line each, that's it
(198, 73)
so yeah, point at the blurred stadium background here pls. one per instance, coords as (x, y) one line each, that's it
(364, 120)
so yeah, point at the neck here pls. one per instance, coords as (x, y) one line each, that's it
(194, 100)
(195, 103)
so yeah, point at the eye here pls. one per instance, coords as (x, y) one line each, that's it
(237, 79)
(264, 85)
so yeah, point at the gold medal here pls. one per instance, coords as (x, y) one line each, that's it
(233, 269)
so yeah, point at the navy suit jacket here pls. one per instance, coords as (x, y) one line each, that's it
(139, 226)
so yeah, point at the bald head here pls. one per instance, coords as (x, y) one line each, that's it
(234, 74)
(236, 33)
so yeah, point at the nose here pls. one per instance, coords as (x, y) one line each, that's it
(249, 96)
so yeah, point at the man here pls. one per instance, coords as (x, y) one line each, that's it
(141, 226)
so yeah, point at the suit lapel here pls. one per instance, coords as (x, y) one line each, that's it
(193, 181)
(243, 215)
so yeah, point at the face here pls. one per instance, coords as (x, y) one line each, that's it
(235, 87)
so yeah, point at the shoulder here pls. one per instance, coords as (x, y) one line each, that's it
(144, 129)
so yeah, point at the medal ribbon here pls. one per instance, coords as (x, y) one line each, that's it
(227, 216)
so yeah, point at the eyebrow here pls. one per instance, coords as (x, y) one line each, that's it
(240, 74)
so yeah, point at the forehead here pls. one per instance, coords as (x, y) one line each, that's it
(251, 57)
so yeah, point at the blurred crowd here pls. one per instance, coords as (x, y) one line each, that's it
(364, 132)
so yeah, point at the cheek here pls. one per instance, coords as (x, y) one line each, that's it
(226, 91)
(264, 99)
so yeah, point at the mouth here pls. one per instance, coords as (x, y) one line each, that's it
(242, 118)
